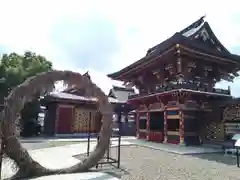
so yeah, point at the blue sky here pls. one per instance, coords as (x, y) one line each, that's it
(103, 36)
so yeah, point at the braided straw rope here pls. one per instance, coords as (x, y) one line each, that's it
(24, 93)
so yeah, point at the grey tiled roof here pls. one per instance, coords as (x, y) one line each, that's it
(114, 100)
(121, 94)
(62, 95)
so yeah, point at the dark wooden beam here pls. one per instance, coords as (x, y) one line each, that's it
(207, 56)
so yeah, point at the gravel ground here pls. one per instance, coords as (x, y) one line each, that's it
(140, 163)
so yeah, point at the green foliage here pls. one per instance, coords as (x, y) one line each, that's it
(14, 70)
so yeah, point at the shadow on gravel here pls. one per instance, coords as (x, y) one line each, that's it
(106, 168)
(116, 172)
(219, 158)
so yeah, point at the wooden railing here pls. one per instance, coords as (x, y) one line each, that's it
(182, 86)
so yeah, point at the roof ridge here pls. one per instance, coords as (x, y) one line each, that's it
(195, 24)
(123, 88)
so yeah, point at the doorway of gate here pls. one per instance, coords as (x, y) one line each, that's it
(156, 126)
(127, 124)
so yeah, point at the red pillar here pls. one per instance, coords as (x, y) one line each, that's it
(181, 129)
(148, 126)
(165, 125)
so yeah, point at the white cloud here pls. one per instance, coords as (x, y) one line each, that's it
(28, 24)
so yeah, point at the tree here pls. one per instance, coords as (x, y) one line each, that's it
(28, 167)
(15, 69)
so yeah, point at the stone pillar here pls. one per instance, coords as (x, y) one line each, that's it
(165, 125)
(181, 127)
(148, 125)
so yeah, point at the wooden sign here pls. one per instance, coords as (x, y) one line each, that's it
(172, 103)
(158, 106)
(191, 104)
(142, 107)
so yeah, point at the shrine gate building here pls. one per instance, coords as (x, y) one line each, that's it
(177, 101)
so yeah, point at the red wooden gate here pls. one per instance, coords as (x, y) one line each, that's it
(64, 119)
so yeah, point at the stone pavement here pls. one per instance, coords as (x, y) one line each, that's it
(172, 148)
(57, 157)
(66, 153)
(79, 176)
